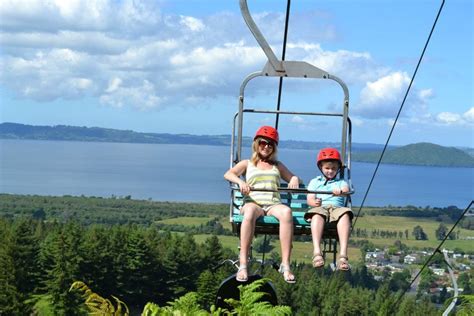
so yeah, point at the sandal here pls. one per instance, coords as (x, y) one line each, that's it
(343, 264)
(239, 277)
(289, 277)
(318, 261)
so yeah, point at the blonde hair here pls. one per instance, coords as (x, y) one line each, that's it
(256, 158)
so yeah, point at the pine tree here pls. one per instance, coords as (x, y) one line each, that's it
(64, 255)
(9, 295)
(24, 251)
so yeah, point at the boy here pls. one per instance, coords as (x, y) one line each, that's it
(329, 207)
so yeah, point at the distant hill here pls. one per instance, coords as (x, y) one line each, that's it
(417, 154)
(421, 154)
(98, 134)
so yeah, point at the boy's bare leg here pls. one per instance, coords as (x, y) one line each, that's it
(343, 231)
(317, 229)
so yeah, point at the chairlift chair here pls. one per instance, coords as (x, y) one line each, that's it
(294, 198)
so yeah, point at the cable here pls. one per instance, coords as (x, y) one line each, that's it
(285, 36)
(398, 114)
(437, 250)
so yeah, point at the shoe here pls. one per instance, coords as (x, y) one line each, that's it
(318, 261)
(289, 278)
(239, 277)
(343, 264)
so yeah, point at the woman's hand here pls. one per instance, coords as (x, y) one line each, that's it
(244, 187)
(294, 183)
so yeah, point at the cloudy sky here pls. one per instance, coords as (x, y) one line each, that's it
(176, 66)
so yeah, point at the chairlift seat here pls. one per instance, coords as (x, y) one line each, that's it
(270, 225)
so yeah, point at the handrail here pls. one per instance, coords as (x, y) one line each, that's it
(290, 190)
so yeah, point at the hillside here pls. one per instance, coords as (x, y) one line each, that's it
(98, 134)
(421, 154)
(425, 154)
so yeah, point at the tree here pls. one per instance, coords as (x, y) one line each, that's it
(24, 252)
(419, 234)
(441, 231)
(9, 295)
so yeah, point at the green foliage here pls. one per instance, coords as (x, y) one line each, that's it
(423, 154)
(418, 233)
(466, 305)
(98, 305)
(109, 211)
(250, 302)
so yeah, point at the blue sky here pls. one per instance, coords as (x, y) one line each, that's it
(176, 66)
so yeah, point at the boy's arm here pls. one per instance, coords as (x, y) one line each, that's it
(311, 198)
(341, 188)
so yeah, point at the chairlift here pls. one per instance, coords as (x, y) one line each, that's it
(294, 198)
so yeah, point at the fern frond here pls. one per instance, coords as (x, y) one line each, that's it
(151, 309)
(98, 305)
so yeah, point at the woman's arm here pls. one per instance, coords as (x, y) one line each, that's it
(288, 176)
(234, 173)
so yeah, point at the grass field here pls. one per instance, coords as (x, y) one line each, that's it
(186, 221)
(302, 250)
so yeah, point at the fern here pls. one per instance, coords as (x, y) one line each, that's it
(249, 302)
(466, 307)
(98, 305)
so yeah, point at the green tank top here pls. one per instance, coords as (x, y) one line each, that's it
(263, 179)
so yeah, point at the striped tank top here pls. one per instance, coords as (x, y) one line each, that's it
(262, 179)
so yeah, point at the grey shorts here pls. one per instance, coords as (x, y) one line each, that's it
(330, 213)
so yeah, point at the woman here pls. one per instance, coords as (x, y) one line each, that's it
(263, 171)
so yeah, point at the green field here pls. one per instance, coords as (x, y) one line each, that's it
(186, 221)
(429, 226)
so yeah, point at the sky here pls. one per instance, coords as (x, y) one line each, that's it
(176, 66)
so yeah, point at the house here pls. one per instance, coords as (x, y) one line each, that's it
(410, 259)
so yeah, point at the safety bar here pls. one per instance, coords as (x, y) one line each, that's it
(290, 190)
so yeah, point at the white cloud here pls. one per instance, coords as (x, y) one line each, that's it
(469, 115)
(139, 96)
(193, 24)
(383, 97)
(448, 118)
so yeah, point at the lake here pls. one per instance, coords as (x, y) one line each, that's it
(194, 173)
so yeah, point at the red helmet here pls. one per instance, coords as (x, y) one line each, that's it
(329, 154)
(267, 132)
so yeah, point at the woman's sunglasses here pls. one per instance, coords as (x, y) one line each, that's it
(264, 143)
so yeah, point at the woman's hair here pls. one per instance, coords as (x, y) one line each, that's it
(255, 157)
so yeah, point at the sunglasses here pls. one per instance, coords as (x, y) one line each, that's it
(264, 143)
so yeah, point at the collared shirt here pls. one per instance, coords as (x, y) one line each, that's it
(317, 184)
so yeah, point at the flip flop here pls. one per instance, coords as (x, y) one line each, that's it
(318, 261)
(239, 277)
(288, 279)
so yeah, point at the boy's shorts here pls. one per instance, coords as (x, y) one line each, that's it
(330, 213)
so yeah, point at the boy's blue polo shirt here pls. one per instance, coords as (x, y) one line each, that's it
(317, 184)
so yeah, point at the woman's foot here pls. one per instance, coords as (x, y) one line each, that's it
(242, 273)
(318, 260)
(343, 264)
(288, 276)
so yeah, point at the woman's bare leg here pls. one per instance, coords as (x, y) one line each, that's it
(284, 216)
(250, 212)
